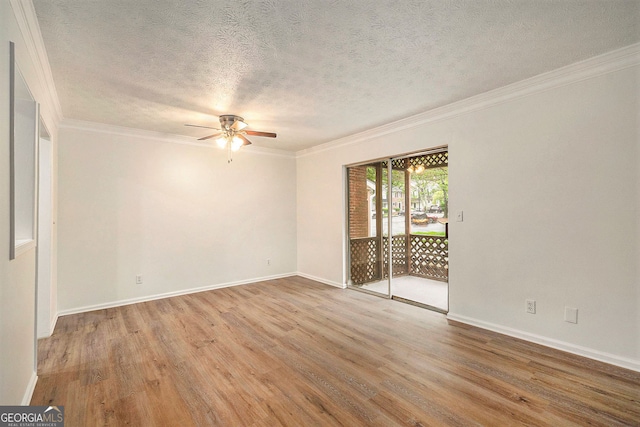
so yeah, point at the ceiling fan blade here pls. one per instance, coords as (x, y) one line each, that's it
(238, 125)
(209, 137)
(258, 133)
(246, 141)
(198, 126)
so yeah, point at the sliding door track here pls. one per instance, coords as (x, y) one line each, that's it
(419, 304)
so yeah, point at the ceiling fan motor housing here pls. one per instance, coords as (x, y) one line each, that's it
(227, 121)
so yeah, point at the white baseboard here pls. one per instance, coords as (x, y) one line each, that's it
(129, 301)
(54, 321)
(26, 399)
(52, 327)
(611, 359)
(321, 280)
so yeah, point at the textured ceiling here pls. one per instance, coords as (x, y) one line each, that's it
(310, 70)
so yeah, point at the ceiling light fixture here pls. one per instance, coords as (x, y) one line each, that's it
(231, 142)
(417, 169)
(232, 134)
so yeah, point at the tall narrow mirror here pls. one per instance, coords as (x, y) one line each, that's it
(22, 163)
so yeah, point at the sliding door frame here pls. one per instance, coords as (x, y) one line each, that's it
(379, 235)
(379, 218)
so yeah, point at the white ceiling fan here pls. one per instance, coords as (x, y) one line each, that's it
(232, 133)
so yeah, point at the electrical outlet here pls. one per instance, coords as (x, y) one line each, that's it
(139, 279)
(531, 306)
(268, 261)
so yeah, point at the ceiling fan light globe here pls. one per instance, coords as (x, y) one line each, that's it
(236, 143)
(222, 142)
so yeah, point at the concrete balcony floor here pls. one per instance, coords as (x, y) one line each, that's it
(424, 291)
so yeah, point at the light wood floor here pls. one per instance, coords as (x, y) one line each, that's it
(297, 353)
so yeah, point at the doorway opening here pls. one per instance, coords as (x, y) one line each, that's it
(45, 297)
(397, 224)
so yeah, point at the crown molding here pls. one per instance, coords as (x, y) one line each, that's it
(27, 21)
(159, 136)
(609, 62)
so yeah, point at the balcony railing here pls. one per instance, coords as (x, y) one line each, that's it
(422, 256)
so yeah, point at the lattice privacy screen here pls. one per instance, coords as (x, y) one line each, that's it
(435, 160)
(364, 268)
(399, 253)
(427, 161)
(430, 257)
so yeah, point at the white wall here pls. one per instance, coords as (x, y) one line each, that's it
(176, 214)
(549, 187)
(17, 277)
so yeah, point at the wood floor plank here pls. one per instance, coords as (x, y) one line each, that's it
(294, 352)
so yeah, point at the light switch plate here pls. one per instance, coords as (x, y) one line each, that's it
(459, 216)
(571, 315)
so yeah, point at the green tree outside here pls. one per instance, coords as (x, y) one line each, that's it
(431, 186)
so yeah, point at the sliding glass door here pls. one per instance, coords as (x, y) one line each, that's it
(398, 228)
(367, 220)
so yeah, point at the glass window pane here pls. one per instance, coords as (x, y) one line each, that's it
(429, 201)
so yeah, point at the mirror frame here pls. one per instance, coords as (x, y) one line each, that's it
(12, 171)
